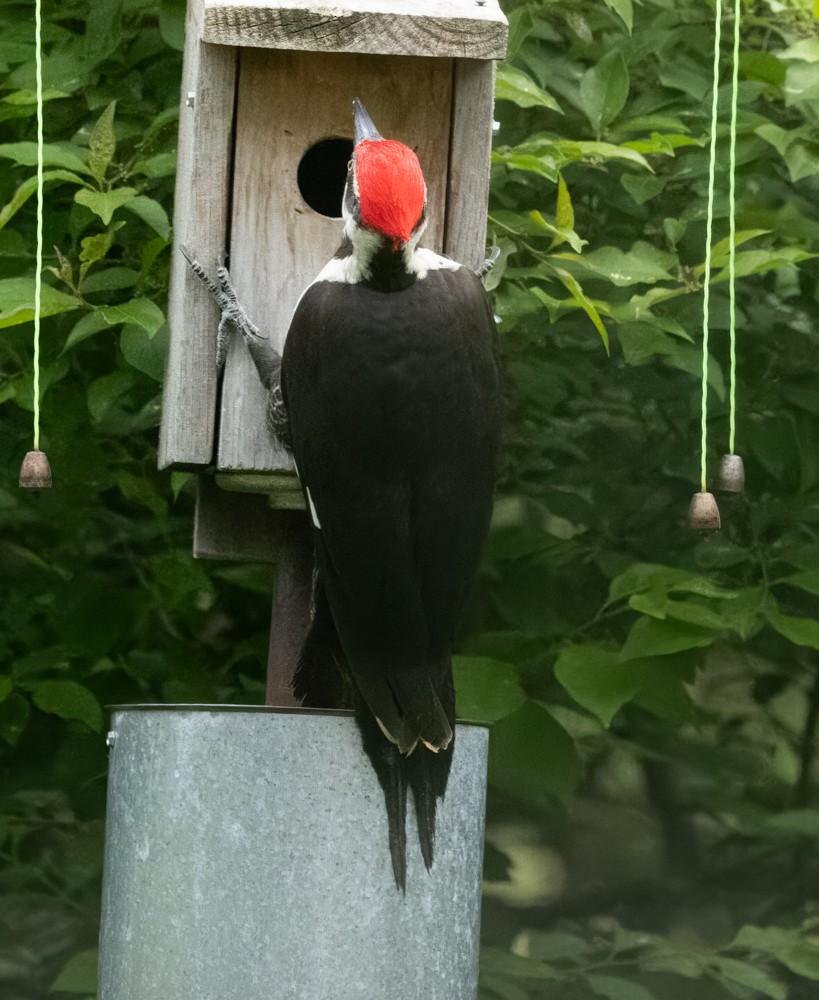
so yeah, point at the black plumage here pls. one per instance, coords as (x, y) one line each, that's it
(393, 405)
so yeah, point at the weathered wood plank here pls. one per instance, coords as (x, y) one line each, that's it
(290, 615)
(200, 222)
(443, 28)
(287, 102)
(469, 160)
(238, 526)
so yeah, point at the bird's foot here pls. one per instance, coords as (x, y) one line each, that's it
(489, 263)
(234, 317)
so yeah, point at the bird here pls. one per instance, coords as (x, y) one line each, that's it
(388, 395)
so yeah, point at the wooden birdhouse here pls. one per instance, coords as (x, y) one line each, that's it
(265, 137)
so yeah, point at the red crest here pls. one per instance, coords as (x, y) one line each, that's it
(391, 188)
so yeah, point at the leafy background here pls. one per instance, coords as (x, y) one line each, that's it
(654, 812)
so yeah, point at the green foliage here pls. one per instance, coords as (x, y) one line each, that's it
(666, 849)
(101, 602)
(653, 806)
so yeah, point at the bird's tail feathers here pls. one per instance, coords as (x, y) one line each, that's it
(409, 716)
(319, 680)
(423, 772)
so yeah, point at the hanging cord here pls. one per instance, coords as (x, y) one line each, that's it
(709, 225)
(38, 29)
(732, 165)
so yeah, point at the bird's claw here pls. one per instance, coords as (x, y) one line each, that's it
(489, 263)
(233, 315)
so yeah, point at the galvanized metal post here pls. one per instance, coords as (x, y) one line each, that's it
(246, 859)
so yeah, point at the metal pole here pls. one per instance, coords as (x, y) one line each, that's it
(246, 859)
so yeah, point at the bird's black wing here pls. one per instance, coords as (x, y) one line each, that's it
(393, 400)
(393, 403)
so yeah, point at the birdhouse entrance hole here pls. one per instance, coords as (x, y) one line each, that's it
(322, 173)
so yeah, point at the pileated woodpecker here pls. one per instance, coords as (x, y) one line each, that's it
(388, 396)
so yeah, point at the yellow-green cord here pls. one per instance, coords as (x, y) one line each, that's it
(38, 31)
(709, 225)
(732, 165)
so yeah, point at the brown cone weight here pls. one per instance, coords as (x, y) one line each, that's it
(35, 472)
(703, 513)
(731, 474)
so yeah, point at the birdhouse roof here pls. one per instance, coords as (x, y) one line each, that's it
(469, 29)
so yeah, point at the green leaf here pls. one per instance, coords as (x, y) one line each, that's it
(514, 160)
(25, 154)
(79, 974)
(178, 482)
(142, 312)
(642, 264)
(616, 988)
(6, 687)
(486, 689)
(808, 581)
(797, 953)
(652, 637)
(152, 213)
(90, 324)
(105, 203)
(145, 351)
(102, 146)
(160, 165)
(17, 301)
(94, 249)
(598, 680)
(624, 9)
(172, 23)
(720, 250)
(604, 90)
(750, 976)
(806, 49)
(105, 391)
(21, 98)
(110, 279)
(504, 963)
(514, 85)
(560, 235)
(564, 213)
(798, 822)
(642, 188)
(585, 303)
(25, 190)
(663, 144)
(532, 756)
(68, 700)
(597, 152)
(800, 631)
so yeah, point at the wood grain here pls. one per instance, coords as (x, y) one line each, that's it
(200, 222)
(469, 160)
(235, 526)
(288, 101)
(290, 615)
(441, 28)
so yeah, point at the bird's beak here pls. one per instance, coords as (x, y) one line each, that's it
(365, 131)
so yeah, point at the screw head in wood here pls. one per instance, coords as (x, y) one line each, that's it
(731, 474)
(35, 472)
(703, 514)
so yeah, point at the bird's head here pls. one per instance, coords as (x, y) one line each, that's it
(385, 194)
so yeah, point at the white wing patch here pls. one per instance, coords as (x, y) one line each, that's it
(423, 261)
(312, 507)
